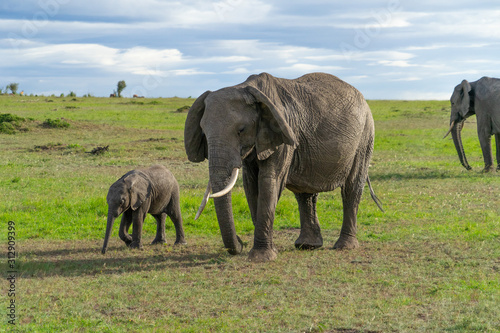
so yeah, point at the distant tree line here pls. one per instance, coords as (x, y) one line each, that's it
(13, 88)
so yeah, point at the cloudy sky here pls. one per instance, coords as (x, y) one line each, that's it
(389, 49)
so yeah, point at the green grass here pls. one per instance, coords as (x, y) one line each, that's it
(430, 263)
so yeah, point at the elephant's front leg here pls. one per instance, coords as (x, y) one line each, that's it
(125, 226)
(310, 232)
(137, 220)
(263, 247)
(160, 229)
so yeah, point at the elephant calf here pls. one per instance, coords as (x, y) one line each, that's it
(152, 190)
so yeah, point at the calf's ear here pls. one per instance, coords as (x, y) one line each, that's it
(139, 190)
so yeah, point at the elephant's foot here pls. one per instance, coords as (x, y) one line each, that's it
(136, 245)
(127, 239)
(262, 255)
(346, 243)
(158, 241)
(308, 241)
(180, 242)
(498, 167)
(489, 168)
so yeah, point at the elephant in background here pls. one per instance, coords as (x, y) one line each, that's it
(482, 98)
(152, 190)
(310, 135)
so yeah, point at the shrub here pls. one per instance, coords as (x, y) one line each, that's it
(55, 123)
(7, 128)
(10, 123)
(184, 108)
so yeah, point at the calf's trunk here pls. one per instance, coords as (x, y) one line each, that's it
(109, 227)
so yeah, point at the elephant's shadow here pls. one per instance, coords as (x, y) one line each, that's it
(86, 259)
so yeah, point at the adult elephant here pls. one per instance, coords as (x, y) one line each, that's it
(482, 98)
(310, 135)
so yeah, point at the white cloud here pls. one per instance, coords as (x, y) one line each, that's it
(239, 70)
(306, 68)
(189, 13)
(187, 72)
(136, 60)
(477, 26)
(360, 55)
(396, 63)
(386, 47)
(440, 46)
(410, 78)
(382, 18)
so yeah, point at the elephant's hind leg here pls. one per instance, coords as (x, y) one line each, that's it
(310, 231)
(351, 196)
(485, 141)
(174, 212)
(497, 140)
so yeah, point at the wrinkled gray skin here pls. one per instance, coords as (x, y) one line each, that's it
(310, 135)
(481, 98)
(152, 190)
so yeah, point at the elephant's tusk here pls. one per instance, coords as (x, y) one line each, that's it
(229, 187)
(206, 196)
(451, 127)
(204, 201)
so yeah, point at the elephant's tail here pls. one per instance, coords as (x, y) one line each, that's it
(374, 197)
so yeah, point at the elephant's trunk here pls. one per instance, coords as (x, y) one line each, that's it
(219, 179)
(109, 227)
(456, 133)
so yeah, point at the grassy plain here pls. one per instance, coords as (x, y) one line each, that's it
(430, 263)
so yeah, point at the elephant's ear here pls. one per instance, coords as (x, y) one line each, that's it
(273, 129)
(465, 103)
(195, 142)
(139, 189)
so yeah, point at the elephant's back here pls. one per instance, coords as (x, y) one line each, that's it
(487, 88)
(325, 85)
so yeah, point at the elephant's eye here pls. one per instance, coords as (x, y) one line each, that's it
(241, 130)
